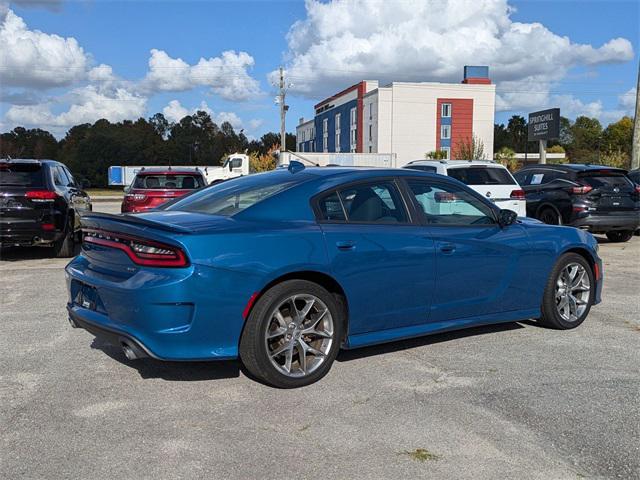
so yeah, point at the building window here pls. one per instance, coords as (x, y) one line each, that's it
(371, 111)
(445, 110)
(370, 148)
(325, 135)
(370, 132)
(337, 149)
(447, 152)
(353, 128)
(445, 132)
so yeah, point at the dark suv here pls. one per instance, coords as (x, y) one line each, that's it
(40, 205)
(596, 198)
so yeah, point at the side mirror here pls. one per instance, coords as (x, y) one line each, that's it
(507, 217)
(127, 189)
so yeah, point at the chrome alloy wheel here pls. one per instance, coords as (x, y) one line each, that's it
(573, 289)
(299, 335)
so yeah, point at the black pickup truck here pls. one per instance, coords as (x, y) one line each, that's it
(40, 205)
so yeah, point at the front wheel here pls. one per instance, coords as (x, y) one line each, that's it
(292, 335)
(569, 293)
(620, 235)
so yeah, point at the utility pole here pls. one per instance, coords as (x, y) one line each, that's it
(283, 111)
(635, 148)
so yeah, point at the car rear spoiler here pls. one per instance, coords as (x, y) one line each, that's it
(93, 220)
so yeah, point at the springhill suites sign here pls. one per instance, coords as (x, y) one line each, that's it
(544, 125)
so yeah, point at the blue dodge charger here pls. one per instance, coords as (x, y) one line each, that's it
(282, 269)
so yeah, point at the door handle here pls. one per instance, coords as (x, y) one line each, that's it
(346, 245)
(447, 247)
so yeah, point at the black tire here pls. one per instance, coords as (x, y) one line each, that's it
(619, 235)
(253, 348)
(549, 216)
(550, 315)
(66, 246)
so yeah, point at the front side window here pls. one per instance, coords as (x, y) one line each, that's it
(446, 110)
(444, 204)
(373, 203)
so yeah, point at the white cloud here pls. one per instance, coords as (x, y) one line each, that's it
(31, 58)
(344, 41)
(226, 75)
(627, 100)
(255, 123)
(87, 104)
(101, 74)
(174, 112)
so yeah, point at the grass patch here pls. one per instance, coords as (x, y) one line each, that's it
(105, 192)
(420, 455)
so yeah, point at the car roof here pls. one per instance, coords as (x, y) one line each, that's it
(168, 171)
(28, 160)
(457, 163)
(574, 167)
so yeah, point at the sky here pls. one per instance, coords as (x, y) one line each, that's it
(64, 63)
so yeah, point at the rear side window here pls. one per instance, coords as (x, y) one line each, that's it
(373, 203)
(481, 176)
(331, 208)
(538, 177)
(168, 182)
(607, 180)
(21, 174)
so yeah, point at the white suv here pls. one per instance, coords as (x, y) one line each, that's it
(487, 178)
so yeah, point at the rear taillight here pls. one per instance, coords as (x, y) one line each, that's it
(581, 190)
(41, 195)
(136, 197)
(517, 195)
(141, 251)
(637, 188)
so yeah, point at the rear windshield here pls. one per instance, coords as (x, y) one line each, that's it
(21, 174)
(606, 180)
(230, 197)
(167, 181)
(482, 176)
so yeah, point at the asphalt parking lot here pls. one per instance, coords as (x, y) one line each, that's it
(510, 401)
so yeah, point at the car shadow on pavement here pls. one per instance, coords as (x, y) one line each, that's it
(16, 254)
(348, 355)
(172, 371)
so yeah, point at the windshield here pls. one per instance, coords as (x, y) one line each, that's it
(168, 181)
(21, 174)
(231, 197)
(482, 175)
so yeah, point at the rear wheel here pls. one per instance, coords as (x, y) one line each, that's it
(549, 216)
(569, 293)
(292, 335)
(66, 246)
(620, 235)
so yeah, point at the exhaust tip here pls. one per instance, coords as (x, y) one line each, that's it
(131, 350)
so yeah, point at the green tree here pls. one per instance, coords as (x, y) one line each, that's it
(586, 140)
(470, 149)
(618, 136)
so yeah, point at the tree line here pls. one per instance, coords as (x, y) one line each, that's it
(583, 140)
(90, 149)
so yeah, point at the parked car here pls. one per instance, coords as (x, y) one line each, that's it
(282, 269)
(152, 187)
(596, 198)
(40, 205)
(490, 179)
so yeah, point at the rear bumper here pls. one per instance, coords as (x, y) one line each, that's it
(174, 314)
(26, 234)
(605, 223)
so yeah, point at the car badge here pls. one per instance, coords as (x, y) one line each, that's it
(488, 194)
(616, 190)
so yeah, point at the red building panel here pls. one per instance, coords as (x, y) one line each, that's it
(461, 122)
